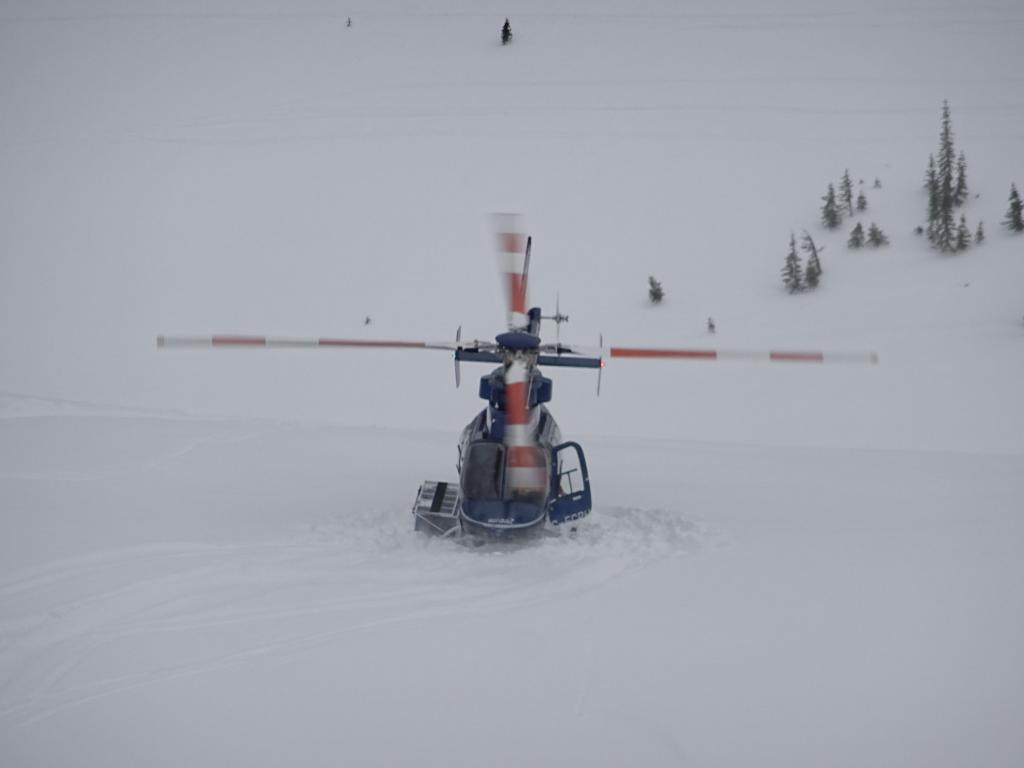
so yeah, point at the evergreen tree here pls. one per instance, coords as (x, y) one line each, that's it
(862, 202)
(846, 192)
(960, 187)
(856, 237)
(830, 215)
(876, 237)
(963, 235)
(654, 291)
(813, 271)
(945, 228)
(1015, 213)
(934, 207)
(877, 184)
(792, 272)
(979, 235)
(812, 275)
(506, 33)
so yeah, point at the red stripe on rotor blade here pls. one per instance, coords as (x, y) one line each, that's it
(796, 357)
(512, 242)
(361, 343)
(515, 404)
(244, 341)
(517, 292)
(700, 354)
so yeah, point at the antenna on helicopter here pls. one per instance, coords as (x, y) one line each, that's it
(558, 318)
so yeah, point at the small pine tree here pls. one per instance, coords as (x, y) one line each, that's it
(876, 237)
(506, 33)
(960, 186)
(846, 193)
(934, 206)
(813, 271)
(655, 291)
(877, 184)
(862, 202)
(812, 274)
(943, 231)
(830, 215)
(856, 237)
(979, 235)
(792, 272)
(963, 235)
(1015, 213)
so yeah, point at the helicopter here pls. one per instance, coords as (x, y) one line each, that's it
(516, 475)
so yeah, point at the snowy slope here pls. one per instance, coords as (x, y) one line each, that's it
(207, 558)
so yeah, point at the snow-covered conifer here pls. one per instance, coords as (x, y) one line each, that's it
(654, 290)
(862, 202)
(792, 272)
(934, 205)
(506, 33)
(830, 215)
(846, 192)
(960, 186)
(812, 250)
(944, 229)
(876, 237)
(1015, 213)
(963, 235)
(856, 237)
(979, 234)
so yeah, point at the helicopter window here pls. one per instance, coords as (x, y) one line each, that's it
(482, 471)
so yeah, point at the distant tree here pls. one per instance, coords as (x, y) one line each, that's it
(856, 237)
(963, 235)
(1015, 213)
(876, 237)
(506, 33)
(979, 234)
(931, 183)
(654, 291)
(877, 184)
(830, 215)
(812, 273)
(348, 23)
(792, 272)
(944, 229)
(960, 185)
(846, 192)
(862, 202)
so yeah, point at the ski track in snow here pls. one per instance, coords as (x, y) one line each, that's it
(274, 599)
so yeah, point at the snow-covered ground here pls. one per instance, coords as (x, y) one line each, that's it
(207, 558)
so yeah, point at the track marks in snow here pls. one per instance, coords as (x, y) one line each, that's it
(83, 629)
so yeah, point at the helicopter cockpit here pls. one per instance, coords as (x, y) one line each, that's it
(488, 499)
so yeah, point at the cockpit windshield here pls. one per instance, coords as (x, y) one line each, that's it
(483, 469)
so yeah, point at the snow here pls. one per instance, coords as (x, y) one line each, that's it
(207, 557)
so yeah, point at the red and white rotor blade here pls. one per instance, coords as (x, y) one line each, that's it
(525, 466)
(285, 342)
(513, 262)
(757, 356)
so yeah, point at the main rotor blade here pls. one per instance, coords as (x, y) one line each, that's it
(760, 356)
(765, 356)
(226, 340)
(513, 261)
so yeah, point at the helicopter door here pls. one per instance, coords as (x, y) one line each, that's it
(570, 484)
